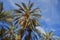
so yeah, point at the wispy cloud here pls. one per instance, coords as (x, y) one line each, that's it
(40, 29)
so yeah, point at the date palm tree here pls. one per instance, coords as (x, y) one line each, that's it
(5, 17)
(27, 18)
(47, 36)
(2, 16)
(7, 34)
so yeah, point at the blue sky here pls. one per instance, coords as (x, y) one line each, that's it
(50, 12)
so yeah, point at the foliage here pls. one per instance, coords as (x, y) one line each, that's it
(27, 20)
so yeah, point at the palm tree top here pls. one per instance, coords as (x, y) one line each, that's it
(26, 16)
(26, 13)
(4, 15)
(27, 10)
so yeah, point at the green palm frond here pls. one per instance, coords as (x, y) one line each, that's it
(4, 14)
(35, 22)
(2, 32)
(18, 11)
(36, 15)
(35, 10)
(16, 18)
(24, 6)
(30, 5)
(20, 7)
(1, 7)
(51, 34)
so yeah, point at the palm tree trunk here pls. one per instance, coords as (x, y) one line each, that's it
(21, 32)
(28, 37)
(29, 30)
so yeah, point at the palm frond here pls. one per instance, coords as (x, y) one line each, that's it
(2, 32)
(5, 16)
(36, 15)
(30, 6)
(19, 7)
(16, 22)
(16, 18)
(2, 15)
(29, 3)
(35, 10)
(1, 7)
(35, 22)
(7, 12)
(18, 11)
(23, 4)
(51, 34)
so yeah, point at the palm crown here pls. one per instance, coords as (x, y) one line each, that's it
(4, 17)
(27, 16)
(1, 13)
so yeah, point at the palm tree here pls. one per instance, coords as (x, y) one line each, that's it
(27, 18)
(1, 13)
(5, 17)
(47, 36)
(7, 34)
(2, 32)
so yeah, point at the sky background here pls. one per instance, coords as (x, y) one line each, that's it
(50, 12)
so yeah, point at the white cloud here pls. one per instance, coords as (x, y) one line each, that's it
(40, 29)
